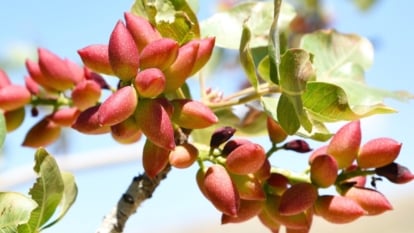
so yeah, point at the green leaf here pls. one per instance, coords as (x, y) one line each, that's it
(227, 26)
(15, 209)
(3, 130)
(69, 196)
(295, 70)
(286, 115)
(47, 191)
(274, 45)
(329, 102)
(338, 55)
(365, 4)
(246, 58)
(173, 18)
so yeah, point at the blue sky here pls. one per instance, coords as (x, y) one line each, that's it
(66, 26)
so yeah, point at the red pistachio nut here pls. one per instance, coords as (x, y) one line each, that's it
(395, 173)
(248, 187)
(155, 123)
(154, 159)
(55, 70)
(200, 175)
(76, 71)
(302, 220)
(192, 114)
(247, 210)
(31, 85)
(277, 184)
(298, 145)
(14, 118)
(221, 135)
(127, 131)
(96, 58)
(357, 181)
(180, 70)
(323, 171)
(159, 54)
(141, 30)
(183, 155)
(36, 74)
(205, 49)
(123, 53)
(298, 198)
(320, 151)
(247, 158)
(88, 122)
(378, 152)
(372, 201)
(264, 171)
(65, 116)
(13, 97)
(118, 106)
(90, 75)
(150, 83)
(276, 133)
(338, 209)
(42, 134)
(86, 94)
(233, 144)
(221, 191)
(344, 145)
(4, 79)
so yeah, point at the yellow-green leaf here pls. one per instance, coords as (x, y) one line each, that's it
(15, 209)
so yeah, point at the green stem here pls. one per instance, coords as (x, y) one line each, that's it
(293, 177)
(247, 94)
(348, 175)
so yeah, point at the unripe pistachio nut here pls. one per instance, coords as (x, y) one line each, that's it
(378, 152)
(395, 173)
(323, 171)
(65, 116)
(338, 209)
(247, 158)
(192, 114)
(180, 70)
(150, 83)
(344, 145)
(298, 198)
(88, 122)
(13, 97)
(154, 159)
(183, 155)
(221, 135)
(14, 118)
(221, 191)
(276, 133)
(372, 201)
(277, 184)
(159, 54)
(118, 107)
(298, 145)
(127, 131)
(96, 58)
(42, 134)
(247, 210)
(123, 53)
(86, 94)
(155, 122)
(141, 30)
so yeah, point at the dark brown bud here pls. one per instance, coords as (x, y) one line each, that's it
(395, 173)
(297, 145)
(221, 135)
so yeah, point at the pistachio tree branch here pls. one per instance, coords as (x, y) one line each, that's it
(141, 188)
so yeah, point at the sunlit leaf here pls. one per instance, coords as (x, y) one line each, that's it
(227, 26)
(3, 130)
(329, 102)
(173, 18)
(47, 191)
(69, 196)
(15, 209)
(338, 55)
(287, 116)
(274, 45)
(246, 58)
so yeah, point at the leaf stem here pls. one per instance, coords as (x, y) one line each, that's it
(293, 177)
(348, 175)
